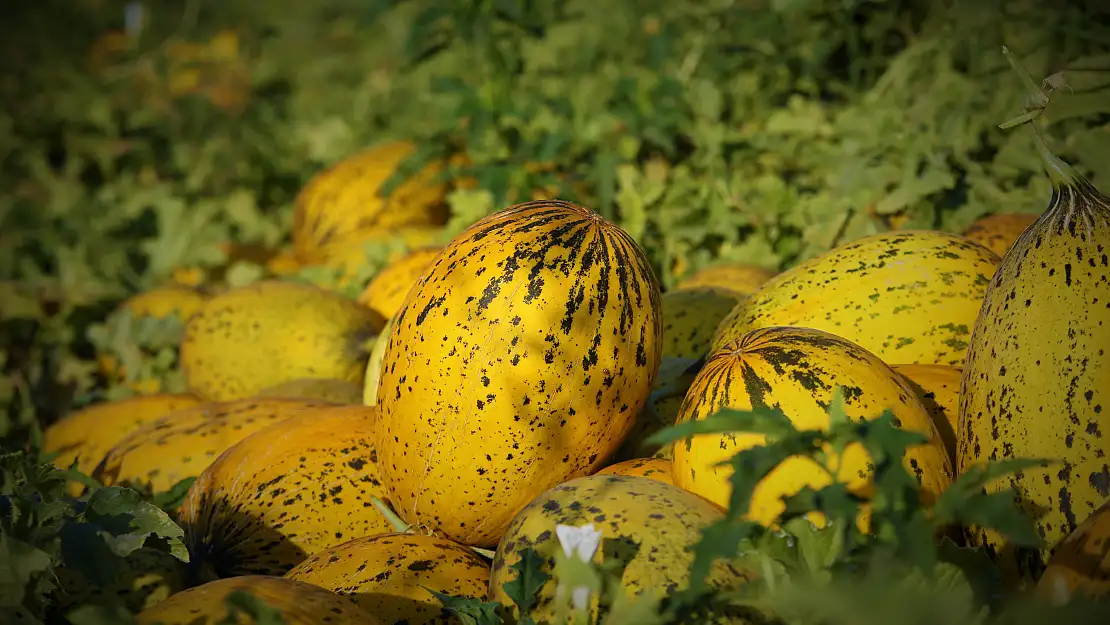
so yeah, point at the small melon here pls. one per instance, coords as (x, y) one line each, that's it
(298, 603)
(648, 531)
(172, 300)
(270, 332)
(161, 302)
(183, 443)
(90, 433)
(284, 493)
(938, 387)
(389, 575)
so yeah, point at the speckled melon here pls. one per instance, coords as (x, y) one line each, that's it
(389, 575)
(938, 387)
(90, 433)
(998, 232)
(648, 528)
(691, 316)
(343, 203)
(284, 493)
(271, 332)
(298, 603)
(796, 370)
(386, 292)
(655, 468)
(182, 444)
(907, 296)
(517, 362)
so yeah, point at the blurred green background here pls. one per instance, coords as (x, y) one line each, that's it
(136, 152)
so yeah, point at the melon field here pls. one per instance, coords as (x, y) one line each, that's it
(500, 312)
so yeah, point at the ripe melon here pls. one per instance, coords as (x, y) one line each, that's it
(343, 203)
(796, 371)
(518, 361)
(649, 529)
(182, 444)
(999, 231)
(740, 278)
(284, 493)
(908, 297)
(271, 332)
(90, 433)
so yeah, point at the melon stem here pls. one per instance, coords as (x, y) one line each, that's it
(1058, 171)
(390, 516)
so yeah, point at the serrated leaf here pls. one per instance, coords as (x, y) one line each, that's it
(530, 578)
(469, 610)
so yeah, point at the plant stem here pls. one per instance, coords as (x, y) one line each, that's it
(1058, 171)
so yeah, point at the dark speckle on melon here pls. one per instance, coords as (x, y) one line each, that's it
(518, 361)
(648, 528)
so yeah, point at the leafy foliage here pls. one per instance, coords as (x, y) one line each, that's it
(763, 131)
(43, 530)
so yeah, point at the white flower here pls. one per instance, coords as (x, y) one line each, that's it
(583, 541)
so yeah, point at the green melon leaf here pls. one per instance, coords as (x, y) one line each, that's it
(469, 610)
(530, 578)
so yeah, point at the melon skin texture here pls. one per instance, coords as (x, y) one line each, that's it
(908, 296)
(284, 493)
(342, 204)
(269, 332)
(86, 436)
(390, 574)
(648, 529)
(518, 361)
(796, 370)
(182, 444)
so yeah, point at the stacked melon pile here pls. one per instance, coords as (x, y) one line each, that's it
(352, 453)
